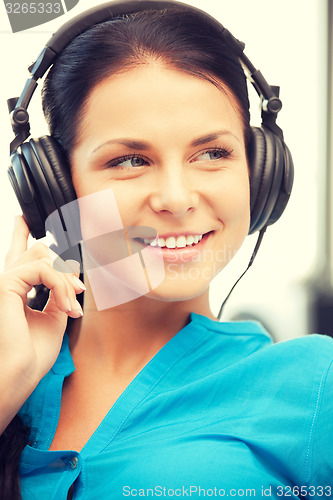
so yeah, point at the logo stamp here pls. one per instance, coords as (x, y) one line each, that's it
(119, 265)
(23, 15)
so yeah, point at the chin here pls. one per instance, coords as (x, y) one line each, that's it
(177, 291)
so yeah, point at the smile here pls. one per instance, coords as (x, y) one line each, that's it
(177, 248)
(180, 241)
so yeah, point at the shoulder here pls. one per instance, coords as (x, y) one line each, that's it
(311, 352)
(301, 359)
(307, 345)
(319, 344)
(302, 365)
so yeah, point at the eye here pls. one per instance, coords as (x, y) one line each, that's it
(214, 154)
(128, 161)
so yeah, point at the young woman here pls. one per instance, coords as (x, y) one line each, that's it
(153, 396)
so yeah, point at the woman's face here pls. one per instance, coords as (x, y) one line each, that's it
(170, 146)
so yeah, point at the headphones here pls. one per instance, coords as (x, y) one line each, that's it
(39, 173)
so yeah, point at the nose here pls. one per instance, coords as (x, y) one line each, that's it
(173, 193)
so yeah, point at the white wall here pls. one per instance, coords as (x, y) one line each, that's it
(285, 41)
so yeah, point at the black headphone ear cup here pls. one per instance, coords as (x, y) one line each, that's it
(22, 183)
(261, 175)
(286, 185)
(271, 176)
(59, 173)
(43, 182)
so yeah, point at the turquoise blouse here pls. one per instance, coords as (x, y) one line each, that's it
(220, 411)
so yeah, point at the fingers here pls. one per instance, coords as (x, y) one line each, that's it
(64, 286)
(69, 285)
(19, 240)
(36, 266)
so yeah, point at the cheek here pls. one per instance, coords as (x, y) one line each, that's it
(104, 205)
(100, 213)
(232, 204)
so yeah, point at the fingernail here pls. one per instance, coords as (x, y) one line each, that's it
(77, 308)
(77, 282)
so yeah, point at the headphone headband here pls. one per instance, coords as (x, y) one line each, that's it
(101, 13)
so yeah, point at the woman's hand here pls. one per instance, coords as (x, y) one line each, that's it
(30, 340)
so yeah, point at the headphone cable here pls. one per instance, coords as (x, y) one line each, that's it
(253, 256)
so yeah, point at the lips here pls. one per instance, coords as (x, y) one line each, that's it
(175, 254)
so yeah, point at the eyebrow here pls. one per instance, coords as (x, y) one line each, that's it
(212, 137)
(130, 143)
(142, 145)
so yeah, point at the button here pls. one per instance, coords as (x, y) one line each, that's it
(73, 462)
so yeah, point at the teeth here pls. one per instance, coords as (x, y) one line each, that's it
(172, 242)
(181, 242)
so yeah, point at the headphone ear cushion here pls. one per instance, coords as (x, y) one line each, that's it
(22, 183)
(41, 179)
(59, 173)
(257, 152)
(261, 174)
(271, 177)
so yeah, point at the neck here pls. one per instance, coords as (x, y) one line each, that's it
(125, 337)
